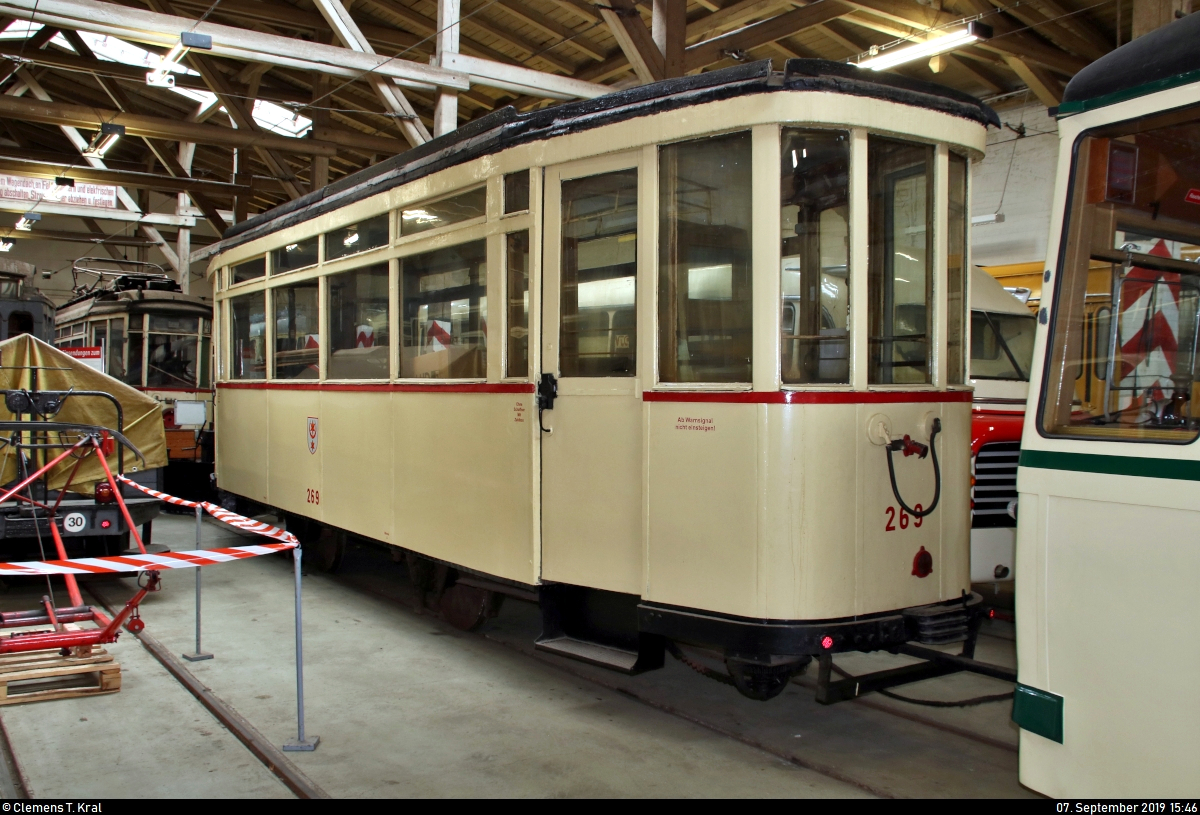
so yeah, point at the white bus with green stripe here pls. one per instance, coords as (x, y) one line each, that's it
(1108, 537)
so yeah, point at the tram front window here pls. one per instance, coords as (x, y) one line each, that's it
(248, 346)
(599, 275)
(444, 297)
(814, 218)
(1133, 237)
(1002, 345)
(900, 262)
(297, 337)
(359, 335)
(704, 290)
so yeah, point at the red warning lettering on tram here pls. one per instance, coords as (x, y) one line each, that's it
(1193, 196)
(519, 412)
(693, 423)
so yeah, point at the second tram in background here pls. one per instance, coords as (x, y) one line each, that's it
(147, 333)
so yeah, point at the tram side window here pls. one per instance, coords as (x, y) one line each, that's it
(1123, 346)
(444, 308)
(598, 300)
(350, 240)
(297, 337)
(814, 219)
(298, 255)
(704, 290)
(248, 340)
(359, 335)
(115, 350)
(516, 254)
(173, 360)
(956, 271)
(250, 270)
(900, 262)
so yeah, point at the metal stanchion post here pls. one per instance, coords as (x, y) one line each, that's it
(300, 743)
(199, 653)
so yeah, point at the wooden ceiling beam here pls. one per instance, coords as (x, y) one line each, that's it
(552, 28)
(761, 33)
(1050, 29)
(730, 16)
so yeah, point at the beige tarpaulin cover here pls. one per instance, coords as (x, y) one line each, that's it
(143, 415)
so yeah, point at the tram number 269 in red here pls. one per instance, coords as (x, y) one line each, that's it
(903, 521)
(314, 496)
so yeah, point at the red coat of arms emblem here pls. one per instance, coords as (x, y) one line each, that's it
(312, 434)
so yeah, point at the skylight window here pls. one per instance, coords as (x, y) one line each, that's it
(268, 115)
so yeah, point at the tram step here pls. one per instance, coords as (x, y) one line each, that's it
(606, 656)
(940, 625)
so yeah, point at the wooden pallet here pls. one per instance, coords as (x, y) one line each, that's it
(39, 676)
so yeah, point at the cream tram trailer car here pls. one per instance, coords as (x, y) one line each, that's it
(643, 355)
(1108, 535)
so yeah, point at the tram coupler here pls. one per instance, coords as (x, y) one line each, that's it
(934, 663)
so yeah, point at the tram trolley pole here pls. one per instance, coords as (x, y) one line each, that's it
(300, 744)
(199, 653)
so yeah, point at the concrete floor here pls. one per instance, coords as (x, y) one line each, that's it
(407, 706)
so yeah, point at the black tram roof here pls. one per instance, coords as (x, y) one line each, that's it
(1165, 58)
(506, 127)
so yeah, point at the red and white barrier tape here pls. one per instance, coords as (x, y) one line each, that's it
(141, 563)
(221, 514)
(167, 560)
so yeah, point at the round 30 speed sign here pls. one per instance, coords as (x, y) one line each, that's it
(75, 522)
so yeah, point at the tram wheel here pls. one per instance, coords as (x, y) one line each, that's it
(760, 682)
(467, 607)
(329, 549)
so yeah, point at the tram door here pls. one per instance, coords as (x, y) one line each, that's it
(591, 459)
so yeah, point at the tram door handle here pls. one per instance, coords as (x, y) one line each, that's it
(547, 392)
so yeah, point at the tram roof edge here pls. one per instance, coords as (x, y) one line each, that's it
(1165, 58)
(507, 127)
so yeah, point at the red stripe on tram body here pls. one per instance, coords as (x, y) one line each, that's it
(807, 397)
(464, 387)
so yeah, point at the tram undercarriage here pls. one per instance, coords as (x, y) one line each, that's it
(621, 633)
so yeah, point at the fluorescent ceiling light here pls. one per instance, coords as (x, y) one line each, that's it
(104, 139)
(6, 246)
(974, 32)
(26, 222)
(160, 77)
(991, 218)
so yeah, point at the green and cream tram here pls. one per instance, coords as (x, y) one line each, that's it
(1108, 537)
(643, 356)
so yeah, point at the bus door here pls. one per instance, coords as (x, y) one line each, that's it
(592, 454)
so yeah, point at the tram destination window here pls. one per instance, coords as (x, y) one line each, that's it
(598, 300)
(248, 338)
(444, 307)
(900, 262)
(704, 291)
(360, 237)
(814, 220)
(298, 255)
(173, 360)
(250, 270)
(436, 214)
(956, 272)
(359, 334)
(1122, 361)
(516, 258)
(297, 338)
(516, 192)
